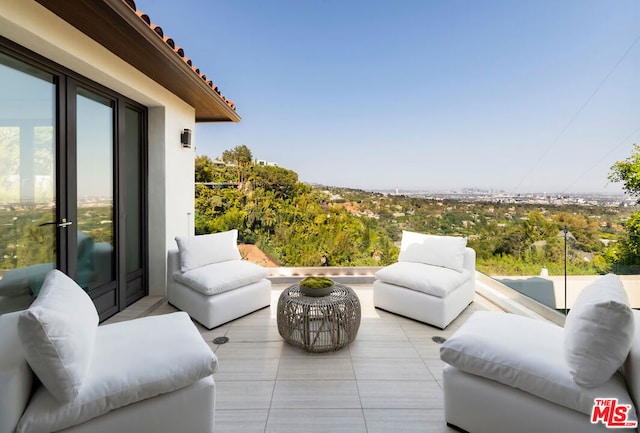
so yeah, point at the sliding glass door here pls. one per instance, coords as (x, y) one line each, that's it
(72, 187)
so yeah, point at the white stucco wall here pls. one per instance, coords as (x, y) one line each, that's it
(171, 168)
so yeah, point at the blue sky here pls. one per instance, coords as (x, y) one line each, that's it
(524, 96)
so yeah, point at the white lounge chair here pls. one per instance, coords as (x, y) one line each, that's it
(433, 280)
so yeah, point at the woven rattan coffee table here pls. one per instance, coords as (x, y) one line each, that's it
(319, 324)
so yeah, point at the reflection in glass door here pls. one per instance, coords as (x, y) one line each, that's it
(95, 192)
(28, 222)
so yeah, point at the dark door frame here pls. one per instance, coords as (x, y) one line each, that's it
(67, 82)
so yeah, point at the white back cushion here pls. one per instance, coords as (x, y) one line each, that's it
(197, 251)
(58, 335)
(445, 251)
(598, 331)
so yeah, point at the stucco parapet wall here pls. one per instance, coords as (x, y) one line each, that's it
(339, 274)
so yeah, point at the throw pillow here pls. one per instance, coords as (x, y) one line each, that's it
(445, 251)
(58, 333)
(197, 251)
(598, 332)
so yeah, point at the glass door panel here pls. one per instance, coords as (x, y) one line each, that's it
(95, 192)
(28, 228)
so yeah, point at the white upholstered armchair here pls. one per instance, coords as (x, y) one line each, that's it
(433, 280)
(208, 279)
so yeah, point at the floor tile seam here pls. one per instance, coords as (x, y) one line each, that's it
(286, 379)
(302, 356)
(404, 409)
(409, 380)
(431, 372)
(240, 410)
(317, 380)
(397, 380)
(366, 427)
(424, 360)
(226, 357)
(413, 344)
(390, 359)
(243, 380)
(427, 379)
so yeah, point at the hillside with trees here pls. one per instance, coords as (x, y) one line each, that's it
(303, 225)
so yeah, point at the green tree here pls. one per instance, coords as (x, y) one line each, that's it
(280, 181)
(204, 169)
(537, 228)
(241, 157)
(628, 172)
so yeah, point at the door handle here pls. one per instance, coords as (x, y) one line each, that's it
(63, 224)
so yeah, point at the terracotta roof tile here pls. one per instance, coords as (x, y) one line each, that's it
(144, 17)
(158, 30)
(169, 42)
(179, 51)
(131, 4)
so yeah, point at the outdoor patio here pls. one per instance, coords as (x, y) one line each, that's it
(388, 379)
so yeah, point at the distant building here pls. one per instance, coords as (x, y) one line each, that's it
(264, 163)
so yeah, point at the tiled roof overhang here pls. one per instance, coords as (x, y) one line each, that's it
(128, 33)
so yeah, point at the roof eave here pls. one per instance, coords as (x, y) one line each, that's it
(128, 36)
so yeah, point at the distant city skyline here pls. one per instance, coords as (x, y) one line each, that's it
(421, 94)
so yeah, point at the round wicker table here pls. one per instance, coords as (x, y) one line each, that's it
(319, 324)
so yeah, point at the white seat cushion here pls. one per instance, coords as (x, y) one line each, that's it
(433, 280)
(134, 361)
(526, 354)
(222, 277)
(598, 331)
(58, 335)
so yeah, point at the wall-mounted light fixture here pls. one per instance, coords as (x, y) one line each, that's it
(185, 138)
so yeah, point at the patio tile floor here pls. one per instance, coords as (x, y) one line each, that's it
(388, 379)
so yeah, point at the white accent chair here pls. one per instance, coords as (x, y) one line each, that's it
(61, 372)
(433, 280)
(208, 279)
(506, 373)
